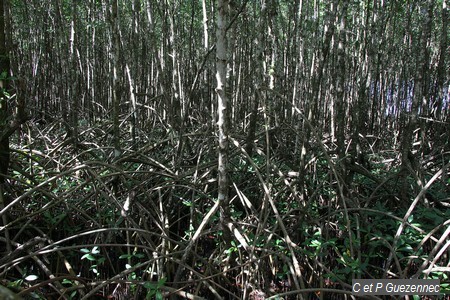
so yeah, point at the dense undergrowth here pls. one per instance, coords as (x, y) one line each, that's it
(84, 224)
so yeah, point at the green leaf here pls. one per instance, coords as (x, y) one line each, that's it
(159, 295)
(148, 285)
(88, 256)
(315, 244)
(15, 284)
(162, 281)
(187, 203)
(406, 248)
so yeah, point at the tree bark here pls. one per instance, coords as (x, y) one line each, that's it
(222, 113)
(74, 93)
(439, 91)
(4, 122)
(4, 74)
(116, 89)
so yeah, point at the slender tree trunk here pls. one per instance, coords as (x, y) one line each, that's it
(116, 89)
(439, 90)
(135, 66)
(259, 78)
(205, 26)
(175, 112)
(4, 73)
(4, 120)
(340, 88)
(408, 158)
(317, 74)
(222, 112)
(424, 71)
(73, 92)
